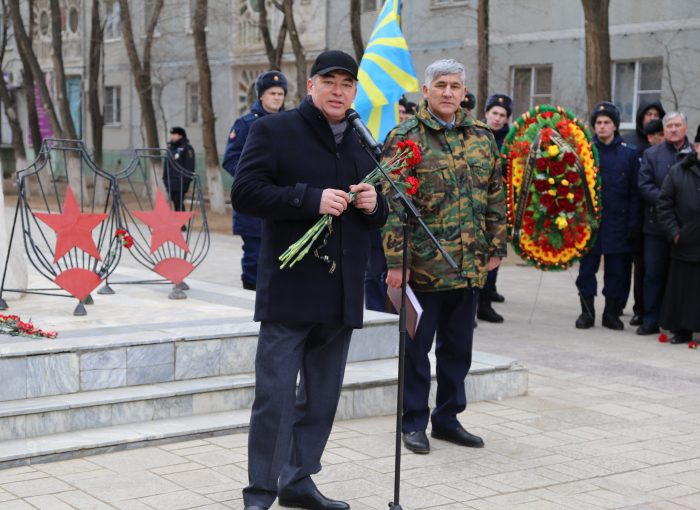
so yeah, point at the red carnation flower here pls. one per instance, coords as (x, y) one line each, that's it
(663, 338)
(547, 200)
(578, 194)
(547, 115)
(557, 168)
(571, 176)
(412, 185)
(541, 185)
(568, 206)
(562, 190)
(570, 158)
(542, 163)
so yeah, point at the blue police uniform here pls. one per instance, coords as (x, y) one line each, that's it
(248, 227)
(620, 223)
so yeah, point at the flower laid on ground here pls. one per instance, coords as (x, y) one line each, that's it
(553, 187)
(124, 237)
(663, 338)
(407, 155)
(693, 344)
(14, 326)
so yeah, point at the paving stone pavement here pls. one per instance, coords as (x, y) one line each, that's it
(612, 420)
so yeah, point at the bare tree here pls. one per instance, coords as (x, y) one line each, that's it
(24, 48)
(94, 65)
(69, 130)
(141, 67)
(598, 82)
(299, 53)
(211, 157)
(356, 28)
(28, 86)
(8, 100)
(482, 30)
(274, 52)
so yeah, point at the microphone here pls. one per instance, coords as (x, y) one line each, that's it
(363, 133)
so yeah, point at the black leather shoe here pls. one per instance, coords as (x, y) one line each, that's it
(254, 507)
(636, 320)
(416, 441)
(488, 314)
(647, 330)
(248, 286)
(681, 338)
(458, 436)
(312, 501)
(497, 298)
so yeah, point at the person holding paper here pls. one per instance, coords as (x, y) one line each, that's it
(461, 198)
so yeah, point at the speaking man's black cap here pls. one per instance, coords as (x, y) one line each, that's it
(177, 130)
(334, 60)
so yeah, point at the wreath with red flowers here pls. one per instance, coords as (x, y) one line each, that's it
(553, 187)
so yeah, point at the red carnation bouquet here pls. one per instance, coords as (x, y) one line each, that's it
(407, 155)
(14, 326)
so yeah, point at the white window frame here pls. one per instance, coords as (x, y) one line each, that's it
(533, 81)
(109, 97)
(637, 81)
(109, 33)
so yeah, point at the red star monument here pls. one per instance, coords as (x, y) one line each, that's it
(73, 228)
(165, 224)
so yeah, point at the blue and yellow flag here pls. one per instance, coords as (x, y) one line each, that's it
(386, 73)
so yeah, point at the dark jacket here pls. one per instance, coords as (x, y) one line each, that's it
(678, 210)
(500, 135)
(183, 154)
(287, 162)
(243, 224)
(622, 215)
(656, 162)
(637, 137)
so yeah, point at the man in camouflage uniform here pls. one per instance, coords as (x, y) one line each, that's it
(461, 198)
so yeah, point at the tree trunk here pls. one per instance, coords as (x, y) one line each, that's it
(94, 63)
(211, 156)
(356, 28)
(141, 67)
(482, 24)
(28, 86)
(24, 48)
(299, 54)
(69, 130)
(598, 87)
(8, 100)
(274, 53)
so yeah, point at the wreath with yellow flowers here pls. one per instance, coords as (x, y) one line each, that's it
(553, 187)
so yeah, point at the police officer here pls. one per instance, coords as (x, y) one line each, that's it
(460, 196)
(620, 224)
(177, 182)
(271, 90)
(498, 109)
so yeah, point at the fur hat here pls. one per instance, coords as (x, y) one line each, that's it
(177, 130)
(501, 100)
(469, 101)
(268, 80)
(609, 110)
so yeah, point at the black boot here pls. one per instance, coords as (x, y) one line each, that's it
(485, 311)
(611, 315)
(587, 317)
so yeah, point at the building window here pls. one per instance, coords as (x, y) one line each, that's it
(532, 85)
(113, 106)
(193, 116)
(634, 84)
(113, 24)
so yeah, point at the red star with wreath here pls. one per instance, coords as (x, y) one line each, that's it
(166, 224)
(73, 228)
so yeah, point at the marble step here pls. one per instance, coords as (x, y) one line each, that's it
(369, 389)
(120, 437)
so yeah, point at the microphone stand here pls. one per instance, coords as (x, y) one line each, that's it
(408, 211)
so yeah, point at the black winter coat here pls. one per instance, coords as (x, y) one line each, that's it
(637, 137)
(656, 162)
(174, 178)
(288, 159)
(678, 210)
(622, 206)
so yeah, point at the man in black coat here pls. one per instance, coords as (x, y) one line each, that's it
(177, 182)
(620, 224)
(655, 165)
(295, 167)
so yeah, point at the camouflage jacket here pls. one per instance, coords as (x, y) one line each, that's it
(460, 197)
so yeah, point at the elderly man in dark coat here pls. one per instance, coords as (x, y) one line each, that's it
(656, 162)
(621, 221)
(297, 166)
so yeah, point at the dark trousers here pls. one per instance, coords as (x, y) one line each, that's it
(289, 427)
(249, 261)
(638, 263)
(490, 286)
(656, 253)
(615, 273)
(177, 192)
(375, 276)
(450, 314)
